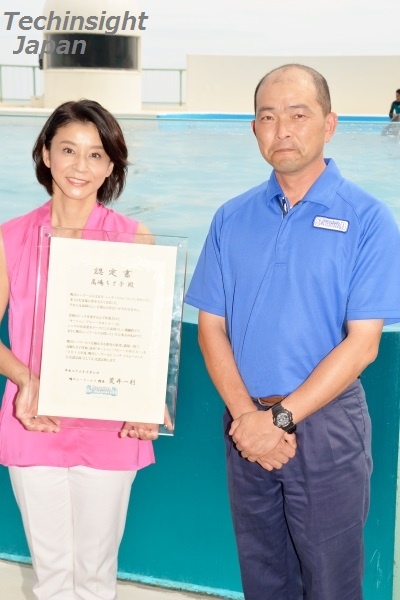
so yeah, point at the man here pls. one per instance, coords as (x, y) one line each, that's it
(394, 111)
(295, 281)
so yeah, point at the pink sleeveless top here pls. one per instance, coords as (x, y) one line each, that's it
(69, 447)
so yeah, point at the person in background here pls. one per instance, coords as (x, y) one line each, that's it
(394, 111)
(72, 485)
(294, 283)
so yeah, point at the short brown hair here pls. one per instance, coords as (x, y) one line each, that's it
(112, 138)
(321, 85)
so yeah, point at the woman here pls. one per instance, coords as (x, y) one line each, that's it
(72, 485)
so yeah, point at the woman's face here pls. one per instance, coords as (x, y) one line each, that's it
(78, 162)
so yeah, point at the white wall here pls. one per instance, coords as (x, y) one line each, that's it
(119, 90)
(358, 84)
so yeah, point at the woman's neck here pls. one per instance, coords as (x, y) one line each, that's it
(71, 214)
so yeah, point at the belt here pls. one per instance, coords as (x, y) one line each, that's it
(269, 400)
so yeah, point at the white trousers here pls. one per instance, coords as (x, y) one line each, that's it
(74, 519)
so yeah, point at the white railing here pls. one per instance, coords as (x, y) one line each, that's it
(18, 83)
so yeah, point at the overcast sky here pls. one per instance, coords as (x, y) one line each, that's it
(176, 28)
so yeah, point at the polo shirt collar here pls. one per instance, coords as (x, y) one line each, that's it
(323, 190)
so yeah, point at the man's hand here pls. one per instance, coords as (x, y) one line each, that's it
(285, 450)
(256, 436)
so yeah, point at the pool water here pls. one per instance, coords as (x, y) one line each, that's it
(182, 170)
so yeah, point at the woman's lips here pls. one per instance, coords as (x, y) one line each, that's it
(77, 182)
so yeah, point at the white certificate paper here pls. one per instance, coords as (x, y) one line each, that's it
(107, 330)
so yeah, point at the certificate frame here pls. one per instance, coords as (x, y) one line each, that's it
(108, 300)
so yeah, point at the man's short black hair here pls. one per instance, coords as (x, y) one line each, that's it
(321, 85)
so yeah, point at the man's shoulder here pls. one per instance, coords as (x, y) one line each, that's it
(362, 203)
(372, 215)
(238, 203)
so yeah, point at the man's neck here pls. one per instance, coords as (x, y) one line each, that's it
(296, 185)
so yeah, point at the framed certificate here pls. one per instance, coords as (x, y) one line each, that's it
(107, 326)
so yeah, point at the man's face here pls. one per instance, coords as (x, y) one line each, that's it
(397, 97)
(290, 126)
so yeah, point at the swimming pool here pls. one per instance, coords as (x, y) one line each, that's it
(182, 170)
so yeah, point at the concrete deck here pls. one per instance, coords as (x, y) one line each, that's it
(16, 582)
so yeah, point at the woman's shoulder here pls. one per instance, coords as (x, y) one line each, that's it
(114, 220)
(17, 233)
(22, 222)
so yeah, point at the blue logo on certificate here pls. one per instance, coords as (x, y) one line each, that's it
(101, 390)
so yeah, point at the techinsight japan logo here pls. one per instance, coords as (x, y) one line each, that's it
(67, 23)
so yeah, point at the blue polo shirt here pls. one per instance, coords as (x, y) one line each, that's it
(287, 285)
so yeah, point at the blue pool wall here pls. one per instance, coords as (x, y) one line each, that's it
(179, 531)
(250, 116)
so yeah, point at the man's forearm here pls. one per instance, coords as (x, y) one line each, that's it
(337, 370)
(221, 365)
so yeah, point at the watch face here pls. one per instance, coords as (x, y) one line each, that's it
(282, 419)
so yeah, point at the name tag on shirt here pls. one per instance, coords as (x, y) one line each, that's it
(333, 224)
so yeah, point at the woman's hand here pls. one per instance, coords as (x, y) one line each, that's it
(26, 404)
(167, 419)
(145, 431)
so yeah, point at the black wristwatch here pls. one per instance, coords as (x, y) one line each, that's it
(283, 418)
